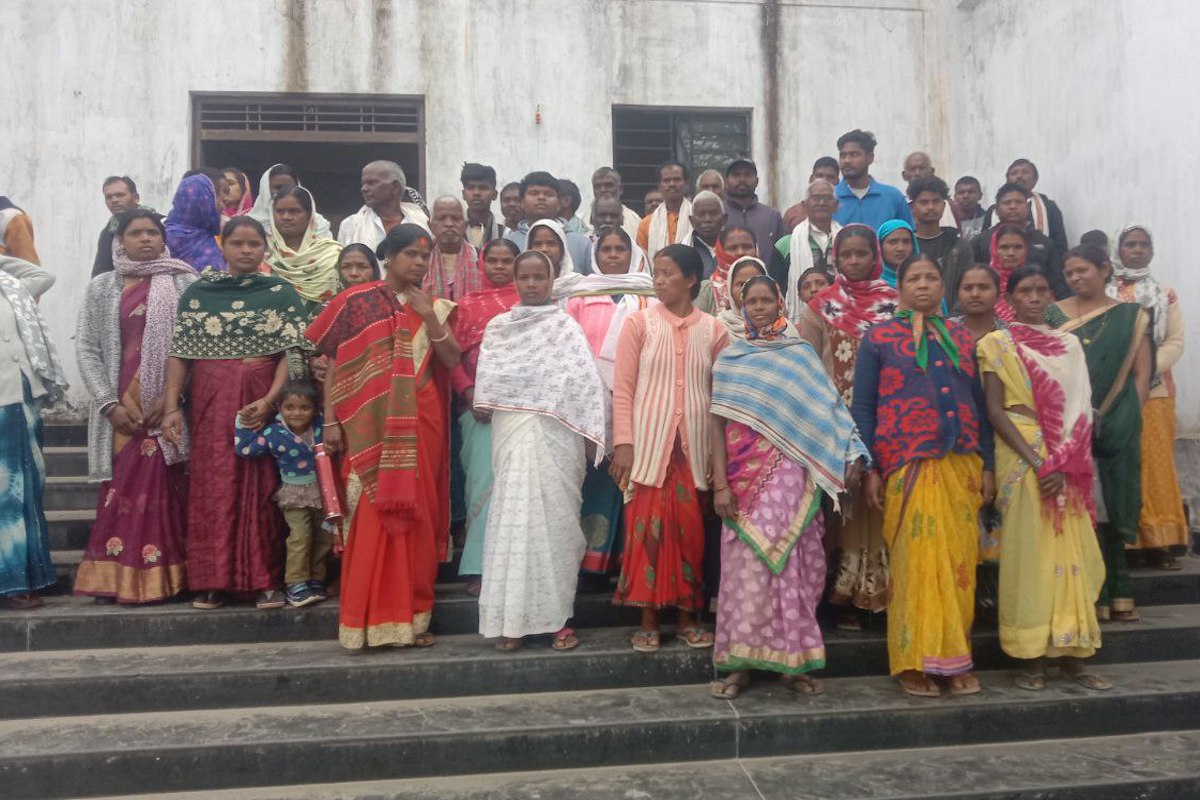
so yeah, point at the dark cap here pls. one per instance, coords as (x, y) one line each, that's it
(739, 162)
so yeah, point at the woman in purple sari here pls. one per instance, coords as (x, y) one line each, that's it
(193, 227)
(136, 550)
(777, 463)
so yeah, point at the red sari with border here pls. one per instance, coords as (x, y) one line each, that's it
(401, 524)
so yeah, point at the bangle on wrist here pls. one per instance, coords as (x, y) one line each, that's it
(445, 335)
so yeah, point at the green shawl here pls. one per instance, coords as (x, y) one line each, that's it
(238, 316)
(1109, 338)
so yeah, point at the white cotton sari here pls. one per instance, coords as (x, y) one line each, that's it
(537, 375)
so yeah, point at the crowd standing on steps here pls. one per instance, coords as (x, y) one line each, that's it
(867, 400)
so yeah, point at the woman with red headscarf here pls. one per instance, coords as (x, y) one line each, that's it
(834, 323)
(474, 313)
(733, 244)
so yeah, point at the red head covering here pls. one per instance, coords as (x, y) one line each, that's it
(853, 306)
(477, 309)
(1003, 310)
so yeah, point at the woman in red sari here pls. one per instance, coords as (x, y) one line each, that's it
(390, 351)
(238, 333)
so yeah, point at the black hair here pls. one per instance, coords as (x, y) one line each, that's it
(825, 161)
(570, 190)
(283, 169)
(688, 261)
(617, 231)
(487, 247)
(541, 258)
(1020, 274)
(1093, 254)
(511, 185)
(824, 271)
(243, 222)
(299, 192)
(1005, 228)
(742, 263)
(299, 387)
(540, 179)
(667, 165)
(477, 173)
(125, 179)
(1009, 188)
(971, 179)
(359, 247)
(916, 258)
(860, 231)
(929, 183)
(1020, 162)
(125, 219)
(723, 236)
(764, 279)
(401, 237)
(866, 139)
(991, 273)
(1097, 238)
(241, 175)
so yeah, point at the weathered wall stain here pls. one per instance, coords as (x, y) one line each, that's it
(295, 48)
(771, 75)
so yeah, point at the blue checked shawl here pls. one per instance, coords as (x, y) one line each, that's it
(779, 388)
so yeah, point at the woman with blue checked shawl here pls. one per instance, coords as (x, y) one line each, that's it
(785, 439)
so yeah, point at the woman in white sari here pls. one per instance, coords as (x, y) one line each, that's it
(618, 287)
(537, 377)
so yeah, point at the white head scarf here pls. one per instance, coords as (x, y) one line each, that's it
(1148, 292)
(262, 207)
(567, 265)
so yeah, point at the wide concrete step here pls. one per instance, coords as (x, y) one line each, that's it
(231, 748)
(68, 682)
(74, 623)
(66, 461)
(70, 493)
(64, 435)
(69, 530)
(1160, 765)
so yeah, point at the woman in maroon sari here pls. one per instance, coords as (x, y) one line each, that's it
(136, 550)
(239, 334)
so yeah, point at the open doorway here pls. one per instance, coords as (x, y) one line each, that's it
(327, 138)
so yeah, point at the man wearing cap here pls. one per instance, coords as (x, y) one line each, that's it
(744, 210)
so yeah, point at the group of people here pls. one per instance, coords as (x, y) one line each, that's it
(718, 406)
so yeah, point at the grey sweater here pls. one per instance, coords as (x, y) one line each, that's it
(98, 352)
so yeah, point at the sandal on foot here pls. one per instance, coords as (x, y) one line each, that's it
(565, 640)
(26, 601)
(730, 686)
(422, 640)
(696, 638)
(1089, 680)
(208, 601)
(1030, 681)
(959, 687)
(646, 641)
(508, 645)
(270, 600)
(924, 690)
(803, 684)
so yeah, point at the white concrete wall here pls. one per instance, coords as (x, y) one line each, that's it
(1100, 93)
(101, 86)
(1102, 96)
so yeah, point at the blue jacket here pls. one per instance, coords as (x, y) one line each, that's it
(293, 455)
(881, 203)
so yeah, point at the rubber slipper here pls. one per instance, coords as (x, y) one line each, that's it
(803, 684)
(696, 638)
(565, 640)
(646, 641)
(1091, 681)
(919, 692)
(963, 691)
(1030, 681)
(729, 687)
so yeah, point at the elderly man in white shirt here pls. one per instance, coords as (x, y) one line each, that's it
(384, 207)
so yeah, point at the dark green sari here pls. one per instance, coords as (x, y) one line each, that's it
(1110, 339)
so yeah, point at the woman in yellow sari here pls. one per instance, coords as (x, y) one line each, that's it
(1051, 569)
(919, 409)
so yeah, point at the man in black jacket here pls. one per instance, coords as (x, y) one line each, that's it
(1012, 207)
(1044, 214)
(120, 195)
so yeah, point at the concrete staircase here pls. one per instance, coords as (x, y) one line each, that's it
(168, 702)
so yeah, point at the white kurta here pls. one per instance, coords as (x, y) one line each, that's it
(534, 543)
